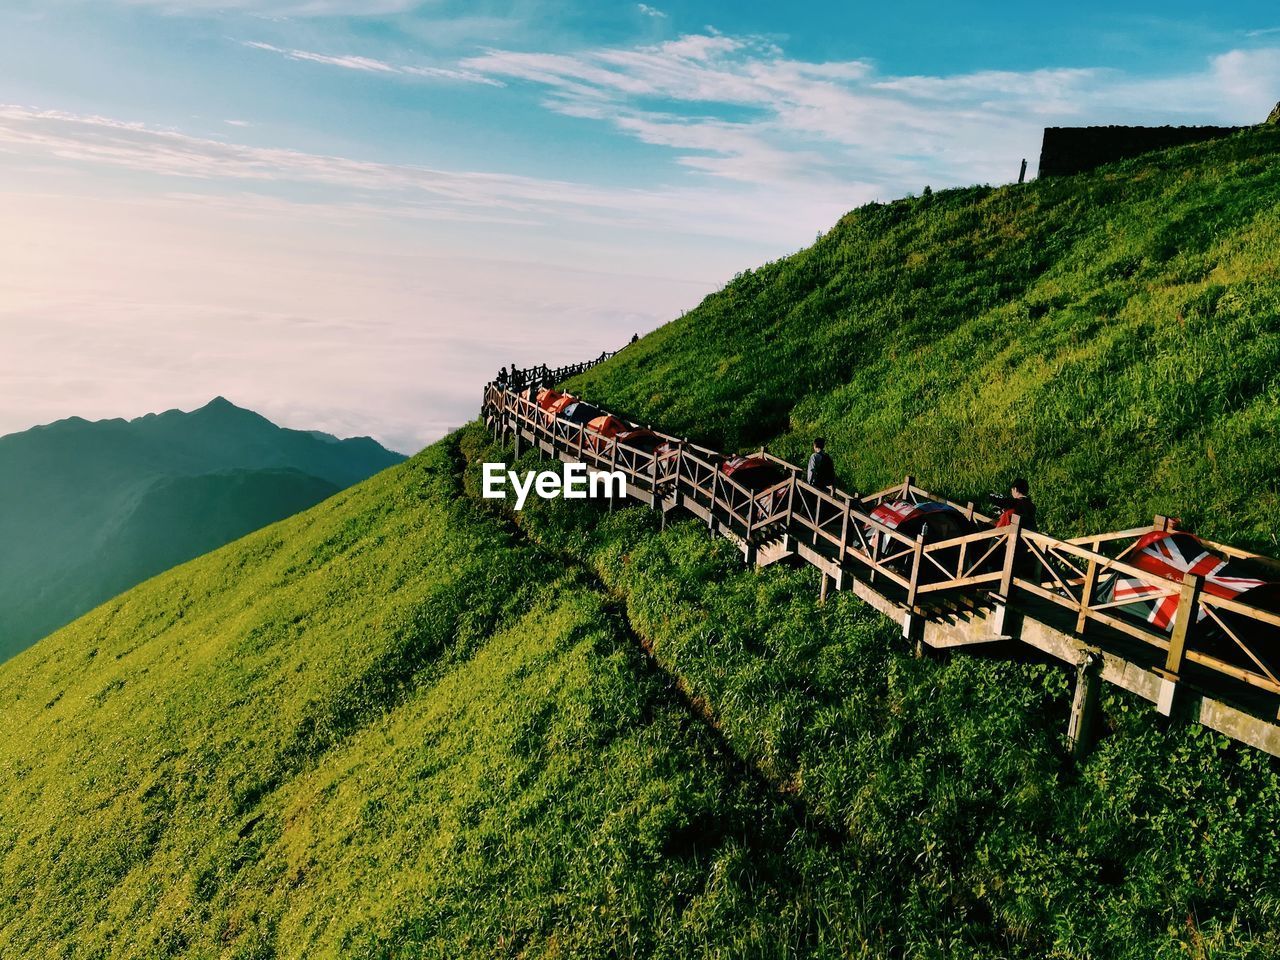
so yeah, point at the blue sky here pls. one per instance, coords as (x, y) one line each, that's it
(346, 214)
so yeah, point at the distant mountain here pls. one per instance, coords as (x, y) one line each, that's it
(88, 509)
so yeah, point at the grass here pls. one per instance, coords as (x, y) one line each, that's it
(385, 728)
(407, 724)
(1115, 337)
(965, 828)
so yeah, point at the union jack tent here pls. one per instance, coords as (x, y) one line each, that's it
(944, 521)
(1171, 555)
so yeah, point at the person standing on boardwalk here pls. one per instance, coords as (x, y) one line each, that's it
(821, 472)
(1018, 504)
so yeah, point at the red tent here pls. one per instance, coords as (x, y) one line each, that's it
(754, 473)
(757, 474)
(556, 406)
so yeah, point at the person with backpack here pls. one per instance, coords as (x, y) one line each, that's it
(822, 471)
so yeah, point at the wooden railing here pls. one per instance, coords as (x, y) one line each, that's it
(523, 376)
(836, 531)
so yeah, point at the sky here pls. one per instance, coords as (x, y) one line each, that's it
(347, 215)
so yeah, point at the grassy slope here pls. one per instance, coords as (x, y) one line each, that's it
(393, 727)
(1114, 336)
(969, 833)
(370, 730)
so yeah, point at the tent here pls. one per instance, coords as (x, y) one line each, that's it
(642, 439)
(607, 426)
(940, 521)
(602, 429)
(557, 407)
(754, 473)
(579, 411)
(1171, 554)
(547, 396)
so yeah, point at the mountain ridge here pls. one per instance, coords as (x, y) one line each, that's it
(68, 488)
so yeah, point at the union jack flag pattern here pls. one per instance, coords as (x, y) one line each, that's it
(1171, 555)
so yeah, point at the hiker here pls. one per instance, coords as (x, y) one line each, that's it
(821, 472)
(635, 338)
(502, 377)
(1018, 504)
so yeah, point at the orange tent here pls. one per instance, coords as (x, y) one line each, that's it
(556, 407)
(547, 396)
(607, 425)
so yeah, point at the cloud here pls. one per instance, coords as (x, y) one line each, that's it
(649, 11)
(739, 109)
(277, 9)
(370, 65)
(347, 62)
(237, 123)
(402, 191)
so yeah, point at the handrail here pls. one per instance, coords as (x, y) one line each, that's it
(840, 533)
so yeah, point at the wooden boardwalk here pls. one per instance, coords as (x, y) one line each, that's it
(999, 589)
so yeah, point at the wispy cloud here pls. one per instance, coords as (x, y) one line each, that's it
(371, 65)
(272, 9)
(649, 11)
(738, 108)
(407, 191)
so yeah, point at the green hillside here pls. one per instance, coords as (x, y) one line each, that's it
(408, 724)
(90, 509)
(1113, 336)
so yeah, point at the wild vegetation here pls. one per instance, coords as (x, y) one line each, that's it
(407, 723)
(939, 791)
(1115, 337)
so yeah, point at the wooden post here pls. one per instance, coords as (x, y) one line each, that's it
(1084, 705)
(1022, 174)
(1086, 594)
(613, 466)
(907, 484)
(844, 530)
(822, 587)
(917, 557)
(711, 509)
(653, 485)
(1183, 625)
(912, 622)
(875, 554)
(1003, 619)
